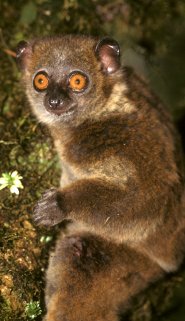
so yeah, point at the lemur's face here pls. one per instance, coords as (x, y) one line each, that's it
(68, 76)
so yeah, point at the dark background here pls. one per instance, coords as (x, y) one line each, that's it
(152, 39)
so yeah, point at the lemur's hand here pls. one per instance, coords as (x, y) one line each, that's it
(47, 212)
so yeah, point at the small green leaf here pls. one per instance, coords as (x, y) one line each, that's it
(45, 239)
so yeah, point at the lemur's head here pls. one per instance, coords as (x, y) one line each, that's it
(68, 77)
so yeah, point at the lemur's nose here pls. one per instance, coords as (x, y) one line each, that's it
(55, 102)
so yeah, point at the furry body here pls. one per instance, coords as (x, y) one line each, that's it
(92, 278)
(122, 167)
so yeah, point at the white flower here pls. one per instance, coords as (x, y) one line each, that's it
(12, 181)
(14, 189)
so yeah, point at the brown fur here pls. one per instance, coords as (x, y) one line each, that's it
(122, 175)
(90, 278)
(122, 164)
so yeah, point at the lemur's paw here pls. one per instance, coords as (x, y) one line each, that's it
(85, 250)
(47, 211)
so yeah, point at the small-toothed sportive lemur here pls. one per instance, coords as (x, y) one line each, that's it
(122, 165)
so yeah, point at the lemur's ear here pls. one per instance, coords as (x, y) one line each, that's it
(23, 52)
(108, 52)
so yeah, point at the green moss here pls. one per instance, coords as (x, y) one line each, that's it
(6, 311)
(32, 309)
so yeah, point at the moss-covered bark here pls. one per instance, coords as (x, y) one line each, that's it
(150, 33)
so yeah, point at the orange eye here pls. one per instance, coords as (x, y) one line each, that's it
(78, 82)
(41, 81)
